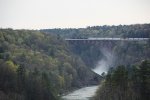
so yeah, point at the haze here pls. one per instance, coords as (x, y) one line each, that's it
(36, 14)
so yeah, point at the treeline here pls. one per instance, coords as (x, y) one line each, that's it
(123, 31)
(39, 66)
(126, 83)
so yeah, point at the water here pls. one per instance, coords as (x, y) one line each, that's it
(81, 94)
(88, 92)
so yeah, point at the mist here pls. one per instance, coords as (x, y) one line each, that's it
(106, 62)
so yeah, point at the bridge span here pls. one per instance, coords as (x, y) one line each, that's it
(108, 39)
(108, 43)
(102, 42)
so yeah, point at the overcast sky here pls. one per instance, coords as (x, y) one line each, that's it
(36, 14)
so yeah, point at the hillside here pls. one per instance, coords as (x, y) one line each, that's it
(126, 83)
(37, 66)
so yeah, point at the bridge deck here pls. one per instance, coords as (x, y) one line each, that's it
(109, 39)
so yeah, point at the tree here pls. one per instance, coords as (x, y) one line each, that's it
(21, 78)
(144, 75)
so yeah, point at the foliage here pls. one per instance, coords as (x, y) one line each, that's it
(132, 31)
(126, 83)
(39, 66)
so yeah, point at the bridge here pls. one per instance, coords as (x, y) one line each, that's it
(108, 39)
(104, 42)
(109, 45)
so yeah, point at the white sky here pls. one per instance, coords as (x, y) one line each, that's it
(36, 14)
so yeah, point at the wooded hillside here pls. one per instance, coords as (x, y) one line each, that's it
(38, 66)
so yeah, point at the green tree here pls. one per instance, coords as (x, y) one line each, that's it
(144, 75)
(21, 77)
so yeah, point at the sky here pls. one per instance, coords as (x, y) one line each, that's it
(39, 14)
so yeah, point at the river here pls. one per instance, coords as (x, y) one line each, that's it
(86, 93)
(81, 94)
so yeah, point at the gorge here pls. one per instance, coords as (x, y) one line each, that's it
(41, 64)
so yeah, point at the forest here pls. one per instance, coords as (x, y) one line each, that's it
(41, 65)
(126, 83)
(128, 77)
(124, 31)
